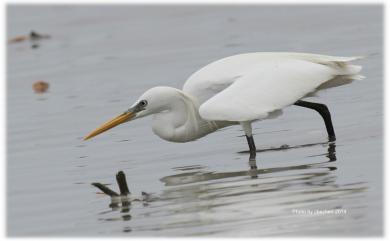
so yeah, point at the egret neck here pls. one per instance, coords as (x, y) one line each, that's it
(178, 118)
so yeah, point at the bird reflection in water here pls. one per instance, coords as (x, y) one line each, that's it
(261, 194)
(254, 171)
(196, 193)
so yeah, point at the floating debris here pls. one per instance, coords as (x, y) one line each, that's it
(18, 39)
(33, 37)
(40, 87)
(125, 197)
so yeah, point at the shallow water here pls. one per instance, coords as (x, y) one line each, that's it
(100, 59)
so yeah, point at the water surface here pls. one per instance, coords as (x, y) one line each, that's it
(101, 58)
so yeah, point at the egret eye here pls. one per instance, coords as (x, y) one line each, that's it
(143, 103)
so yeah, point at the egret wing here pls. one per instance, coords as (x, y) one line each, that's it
(219, 75)
(206, 86)
(266, 87)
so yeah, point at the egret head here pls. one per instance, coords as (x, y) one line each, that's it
(152, 101)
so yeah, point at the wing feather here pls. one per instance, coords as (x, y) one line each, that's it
(217, 76)
(267, 86)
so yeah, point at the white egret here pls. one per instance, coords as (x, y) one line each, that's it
(239, 89)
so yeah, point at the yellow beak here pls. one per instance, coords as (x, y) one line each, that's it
(110, 124)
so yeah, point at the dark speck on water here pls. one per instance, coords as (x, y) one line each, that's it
(35, 36)
(108, 55)
(125, 140)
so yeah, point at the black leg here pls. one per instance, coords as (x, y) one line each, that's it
(324, 112)
(252, 147)
(252, 164)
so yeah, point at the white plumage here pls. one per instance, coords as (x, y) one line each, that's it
(237, 90)
(249, 86)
